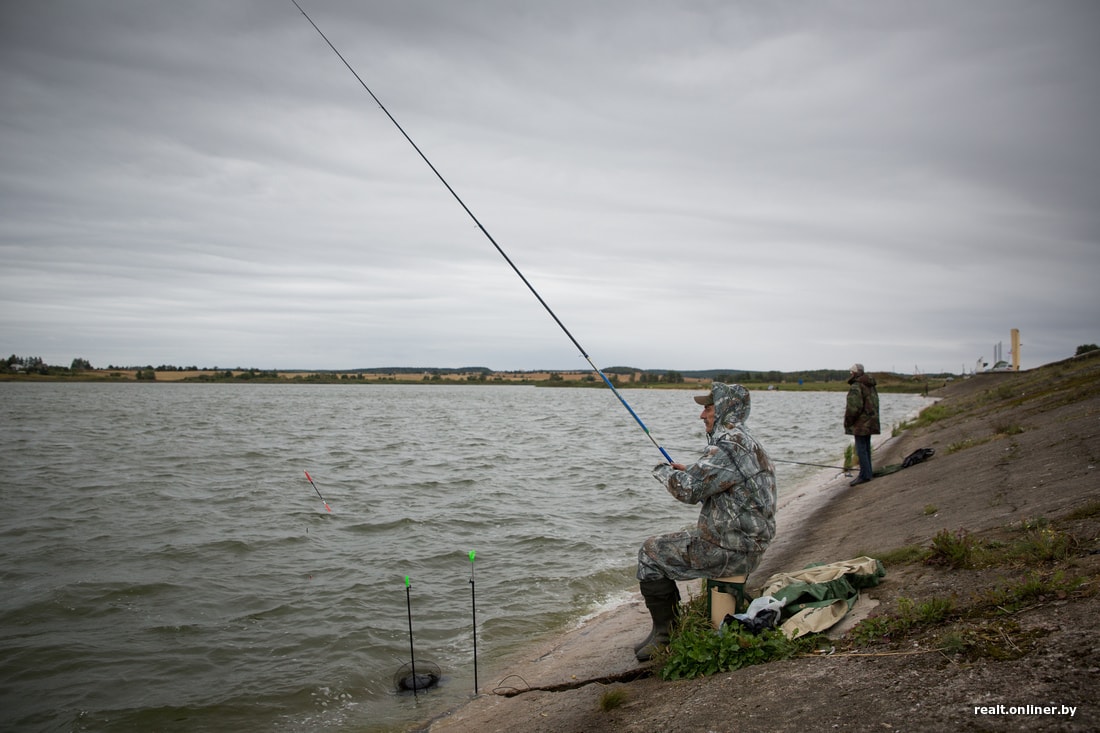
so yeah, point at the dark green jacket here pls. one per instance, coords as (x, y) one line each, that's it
(861, 412)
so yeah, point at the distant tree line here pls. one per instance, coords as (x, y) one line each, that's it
(25, 365)
(617, 374)
(37, 366)
(161, 368)
(652, 377)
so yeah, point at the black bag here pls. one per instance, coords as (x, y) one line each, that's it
(918, 456)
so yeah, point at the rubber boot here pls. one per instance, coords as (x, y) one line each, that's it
(662, 598)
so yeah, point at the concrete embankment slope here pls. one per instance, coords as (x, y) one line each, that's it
(1011, 449)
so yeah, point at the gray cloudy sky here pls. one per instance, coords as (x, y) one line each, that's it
(744, 185)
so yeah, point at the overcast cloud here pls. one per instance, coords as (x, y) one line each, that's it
(689, 185)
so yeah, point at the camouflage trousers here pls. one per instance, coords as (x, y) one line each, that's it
(685, 555)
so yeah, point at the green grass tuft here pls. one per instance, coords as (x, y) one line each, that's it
(955, 550)
(1088, 511)
(614, 698)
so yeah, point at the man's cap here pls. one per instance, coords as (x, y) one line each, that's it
(856, 368)
(705, 399)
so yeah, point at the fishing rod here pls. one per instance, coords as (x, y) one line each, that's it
(489, 237)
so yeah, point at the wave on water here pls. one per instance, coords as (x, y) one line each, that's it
(169, 567)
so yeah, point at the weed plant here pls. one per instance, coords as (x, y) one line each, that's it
(1088, 511)
(1032, 588)
(956, 550)
(697, 650)
(899, 556)
(614, 698)
(909, 616)
(1045, 545)
(963, 445)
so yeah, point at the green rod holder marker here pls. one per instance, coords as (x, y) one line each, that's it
(473, 607)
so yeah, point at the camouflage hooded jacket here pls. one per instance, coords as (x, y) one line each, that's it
(734, 479)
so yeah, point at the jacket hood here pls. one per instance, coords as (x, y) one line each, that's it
(863, 379)
(731, 404)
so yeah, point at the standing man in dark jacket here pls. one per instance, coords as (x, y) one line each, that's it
(861, 418)
(734, 481)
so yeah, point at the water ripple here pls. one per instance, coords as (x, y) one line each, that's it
(165, 535)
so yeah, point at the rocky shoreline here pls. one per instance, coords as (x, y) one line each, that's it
(1015, 452)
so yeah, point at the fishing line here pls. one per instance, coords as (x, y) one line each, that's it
(780, 460)
(818, 465)
(488, 236)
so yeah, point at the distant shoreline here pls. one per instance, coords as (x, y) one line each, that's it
(551, 379)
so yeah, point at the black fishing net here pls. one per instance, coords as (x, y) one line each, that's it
(413, 677)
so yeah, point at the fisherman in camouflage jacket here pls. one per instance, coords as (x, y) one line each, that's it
(735, 482)
(861, 418)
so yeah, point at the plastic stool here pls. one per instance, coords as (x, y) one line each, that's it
(725, 596)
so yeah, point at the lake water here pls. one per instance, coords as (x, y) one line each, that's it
(166, 565)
